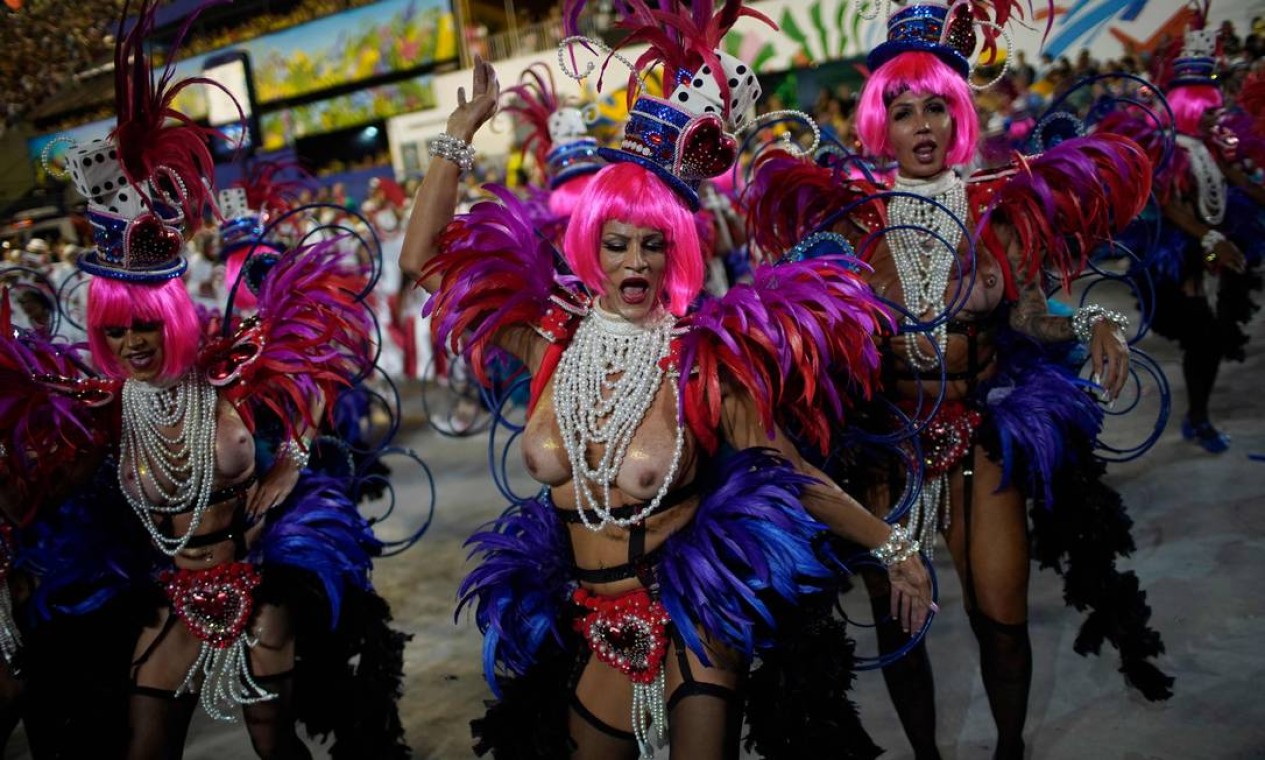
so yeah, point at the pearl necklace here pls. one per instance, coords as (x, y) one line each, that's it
(924, 243)
(605, 383)
(185, 461)
(1208, 176)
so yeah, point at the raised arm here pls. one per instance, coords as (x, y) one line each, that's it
(436, 199)
(843, 515)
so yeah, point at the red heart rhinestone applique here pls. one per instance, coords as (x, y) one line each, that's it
(625, 632)
(148, 243)
(704, 149)
(215, 604)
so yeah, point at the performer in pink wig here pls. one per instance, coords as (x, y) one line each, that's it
(959, 262)
(676, 521)
(255, 576)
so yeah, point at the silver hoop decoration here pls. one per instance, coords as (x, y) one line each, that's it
(1005, 67)
(860, 6)
(764, 119)
(589, 43)
(46, 155)
(182, 191)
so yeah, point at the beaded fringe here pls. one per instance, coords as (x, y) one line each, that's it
(649, 714)
(10, 638)
(927, 513)
(228, 682)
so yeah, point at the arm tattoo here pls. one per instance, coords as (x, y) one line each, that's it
(1031, 316)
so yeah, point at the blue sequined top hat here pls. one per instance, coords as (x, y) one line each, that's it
(571, 160)
(922, 28)
(1197, 63)
(241, 226)
(144, 248)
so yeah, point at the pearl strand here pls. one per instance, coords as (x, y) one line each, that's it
(1208, 176)
(593, 408)
(649, 714)
(186, 460)
(924, 241)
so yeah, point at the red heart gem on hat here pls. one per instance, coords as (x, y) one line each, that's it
(148, 243)
(704, 149)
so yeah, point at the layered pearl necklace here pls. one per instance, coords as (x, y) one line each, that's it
(924, 243)
(605, 383)
(1208, 176)
(179, 468)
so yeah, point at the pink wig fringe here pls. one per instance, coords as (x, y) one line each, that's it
(921, 73)
(562, 199)
(628, 193)
(112, 303)
(1190, 102)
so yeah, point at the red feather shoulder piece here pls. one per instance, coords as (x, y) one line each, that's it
(798, 339)
(496, 272)
(51, 411)
(1061, 203)
(310, 338)
(790, 197)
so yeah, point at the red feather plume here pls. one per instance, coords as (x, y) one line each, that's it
(174, 156)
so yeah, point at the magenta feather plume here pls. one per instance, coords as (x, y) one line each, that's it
(497, 272)
(270, 191)
(311, 337)
(1064, 202)
(50, 410)
(798, 339)
(682, 37)
(790, 197)
(532, 101)
(156, 142)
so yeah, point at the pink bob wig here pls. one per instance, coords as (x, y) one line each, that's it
(628, 193)
(1190, 102)
(920, 73)
(562, 199)
(113, 303)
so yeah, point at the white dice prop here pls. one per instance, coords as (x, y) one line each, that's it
(702, 94)
(232, 203)
(98, 176)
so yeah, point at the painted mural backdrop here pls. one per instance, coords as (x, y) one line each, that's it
(281, 128)
(819, 30)
(347, 47)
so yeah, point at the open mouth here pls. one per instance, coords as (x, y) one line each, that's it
(141, 360)
(925, 151)
(634, 290)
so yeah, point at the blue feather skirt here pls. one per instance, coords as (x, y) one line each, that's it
(91, 561)
(750, 554)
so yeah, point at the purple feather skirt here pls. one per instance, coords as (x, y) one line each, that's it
(749, 547)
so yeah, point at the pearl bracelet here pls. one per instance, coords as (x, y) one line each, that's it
(453, 149)
(897, 548)
(1089, 315)
(1208, 242)
(298, 452)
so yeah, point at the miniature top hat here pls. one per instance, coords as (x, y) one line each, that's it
(685, 136)
(948, 29)
(150, 175)
(558, 134)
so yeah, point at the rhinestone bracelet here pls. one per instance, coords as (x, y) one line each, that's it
(1091, 314)
(897, 548)
(453, 149)
(298, 452)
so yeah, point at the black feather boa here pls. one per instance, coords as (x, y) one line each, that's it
(1080, 539)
